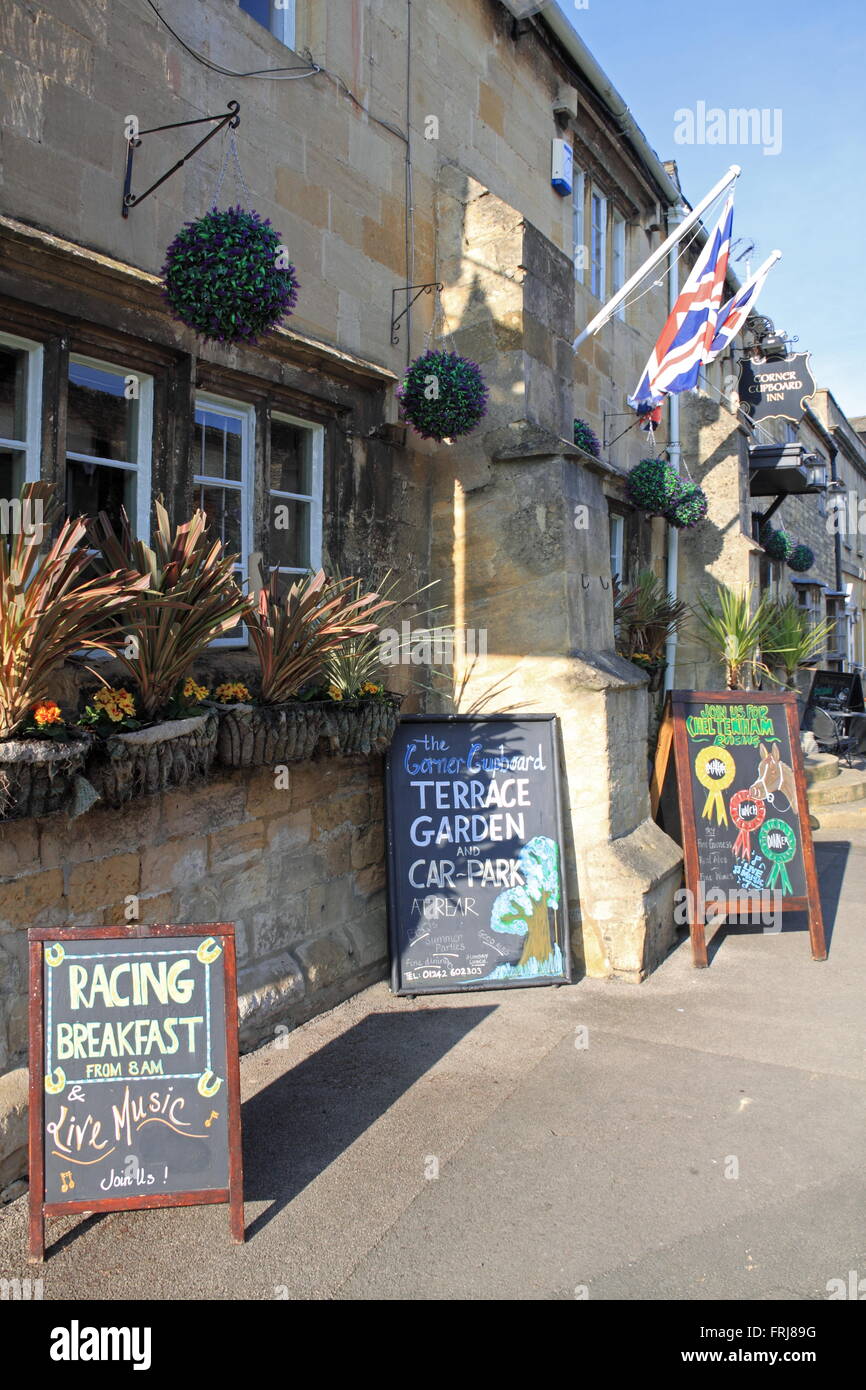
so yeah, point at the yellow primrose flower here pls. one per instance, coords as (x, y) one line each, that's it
(334, 692)
(232, 692)
(47, 712)
(368, 688)
(193, 691)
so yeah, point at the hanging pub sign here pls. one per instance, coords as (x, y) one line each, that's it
(734, 797)
(476, 892)
(134, 1077)
(836, 690)
(776, 389)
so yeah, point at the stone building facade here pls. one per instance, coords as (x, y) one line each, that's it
(392, 145)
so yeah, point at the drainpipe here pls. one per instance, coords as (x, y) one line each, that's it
(674, 218)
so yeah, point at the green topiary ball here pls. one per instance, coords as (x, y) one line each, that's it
(801, 559)
(777, 544)
(442, 395)
(586, 438)
(654, 486)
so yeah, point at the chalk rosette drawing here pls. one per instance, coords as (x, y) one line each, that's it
(526, 911)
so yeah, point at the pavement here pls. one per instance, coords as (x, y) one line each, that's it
(699, 1136)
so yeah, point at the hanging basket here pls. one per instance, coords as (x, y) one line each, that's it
(144, 761)
(37, 775)
(226, 276)
(586, 438)
(654, 485)
(689, 509)
(777, 544)
(443, 395)
(264, 735)
(801, 559)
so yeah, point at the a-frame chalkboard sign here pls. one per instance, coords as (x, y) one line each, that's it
(734, 796)
(134, 1075)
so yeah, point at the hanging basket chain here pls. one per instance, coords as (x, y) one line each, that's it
(231, 152)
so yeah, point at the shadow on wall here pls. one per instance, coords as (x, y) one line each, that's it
(296, 1127)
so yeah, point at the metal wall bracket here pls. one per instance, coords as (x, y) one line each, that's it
(407, 290)
(230, 118)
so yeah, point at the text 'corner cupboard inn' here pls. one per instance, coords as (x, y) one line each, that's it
(414, 147)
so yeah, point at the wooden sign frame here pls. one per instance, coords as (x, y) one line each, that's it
(673, 737)
(398, 985)
(233, 1194)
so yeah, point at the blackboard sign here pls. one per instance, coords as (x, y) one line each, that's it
(135, 1101)
(836, 690)
(476, 892)
(738, 808)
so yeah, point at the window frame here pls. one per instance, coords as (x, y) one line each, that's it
(31, 445)
(618, 254)
(315, 498)
(142, 465)
(598, 262)
(246, 413)
(282, 21)
(578, 224)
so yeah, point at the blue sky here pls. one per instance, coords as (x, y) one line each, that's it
(808, 60)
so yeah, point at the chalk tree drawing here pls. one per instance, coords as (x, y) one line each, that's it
(526, 911)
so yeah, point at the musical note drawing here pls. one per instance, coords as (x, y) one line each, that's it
(214, 1115)
(67, 1182)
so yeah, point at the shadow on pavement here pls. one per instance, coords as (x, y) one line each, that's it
(297, 1126)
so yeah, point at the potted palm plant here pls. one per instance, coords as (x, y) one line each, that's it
(189, 598)
(733, 628)
(645, 617)
(789, 640)
(293, 634)
(50, 610)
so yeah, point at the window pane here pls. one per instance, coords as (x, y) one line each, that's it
(258, 9)
(101, 421)
(289, 534)
(291, 458)
(92, 488)
(13, 394)
(217, 444)
(222, 505)
(11, 473)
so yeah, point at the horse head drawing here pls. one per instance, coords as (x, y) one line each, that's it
(773, 776)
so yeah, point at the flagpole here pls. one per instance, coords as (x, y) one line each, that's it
(660, 252)
(675, 456)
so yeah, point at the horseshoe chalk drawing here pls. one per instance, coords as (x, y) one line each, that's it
(209, 951)
(55, 1082)
(208, 1084)
(54, 954)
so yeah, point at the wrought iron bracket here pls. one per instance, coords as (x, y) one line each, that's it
(230, 118)
(407, 290)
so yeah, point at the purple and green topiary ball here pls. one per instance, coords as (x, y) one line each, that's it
(225, 277)
(689, 509)
(443, 395)
(654, 486)
(586, 438)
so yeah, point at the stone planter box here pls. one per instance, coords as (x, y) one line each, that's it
(264, 735)
(37, 775)
(144, 761)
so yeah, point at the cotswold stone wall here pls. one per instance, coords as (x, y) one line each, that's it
(298, 867)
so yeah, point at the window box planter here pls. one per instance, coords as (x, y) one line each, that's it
(364, 726)
(37, 775)
(264, 735)
(143, 761)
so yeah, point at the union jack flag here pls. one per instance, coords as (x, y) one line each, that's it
(733, 315)
(686, 338)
